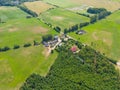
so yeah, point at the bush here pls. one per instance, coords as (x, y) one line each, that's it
(16, 46)
(27, 45)
(6, 48)
(57, 29)
(47, 37)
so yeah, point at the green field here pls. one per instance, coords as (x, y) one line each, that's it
(8, 13)
(104, 36)
(62, 18)
(17, 65)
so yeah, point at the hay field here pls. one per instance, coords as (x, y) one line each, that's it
(37, 6)
(111, 5)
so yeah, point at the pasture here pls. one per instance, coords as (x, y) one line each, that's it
(111, 5)
(8, 13)
(17, 65)
(103, 36)
(62, 18)
(37, 6)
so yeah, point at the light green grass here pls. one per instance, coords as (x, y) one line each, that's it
(8, 13)
(17, 65)
(105, 36)
(62, 18)
(21, 31)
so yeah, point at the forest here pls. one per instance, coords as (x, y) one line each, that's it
(85, 70)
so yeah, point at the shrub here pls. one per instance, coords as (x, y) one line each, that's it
(27, 45)
(16, 46)
(6, 48)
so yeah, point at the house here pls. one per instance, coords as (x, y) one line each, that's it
(56, 37)
(46, 44)
(81, 32)
(74, 49)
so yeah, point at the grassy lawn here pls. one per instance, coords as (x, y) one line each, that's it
(37, 6)
(17, 65)
(8, 13)
(62, 18)
(108, 4)
(104, 36)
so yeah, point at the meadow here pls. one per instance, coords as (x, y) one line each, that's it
(37, 6)
(111, 5)
(62, 18)
(17, 65)
(8, 13)
(103, 36)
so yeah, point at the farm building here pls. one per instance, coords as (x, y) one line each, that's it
(81, 32)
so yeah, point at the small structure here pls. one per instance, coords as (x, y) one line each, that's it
(118, 63)
(81, 32)
(46, 44)
(74, 49)
(56, 37)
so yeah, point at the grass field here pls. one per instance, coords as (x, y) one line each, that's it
(8, 13)
(62, 18)
(108, 4)
(37, 6)
(105, 36)
(17, 65)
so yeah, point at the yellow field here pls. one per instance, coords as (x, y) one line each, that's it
(111, 5)
(108, 4)
(37, 6)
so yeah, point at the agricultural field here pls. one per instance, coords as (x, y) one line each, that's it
(62, 18)
(81, 5)
(37, 6)
(8, 13)
(17, 65)
(103, 36)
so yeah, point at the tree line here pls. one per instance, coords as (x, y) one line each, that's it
(100, 13)
(25, 9)
(75, 27)
(7, 48)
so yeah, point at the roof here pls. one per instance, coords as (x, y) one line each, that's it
(74, 48)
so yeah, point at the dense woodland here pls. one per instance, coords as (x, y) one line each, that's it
(13, 2)
(86, 70)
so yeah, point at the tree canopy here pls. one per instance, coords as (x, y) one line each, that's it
(86, 70)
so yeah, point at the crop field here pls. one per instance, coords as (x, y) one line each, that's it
(103, 36)
(62, 18)
(111, 5)
(37, 6)
(17, 65)
(8, 13)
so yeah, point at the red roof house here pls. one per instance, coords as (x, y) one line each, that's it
(74, 48)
